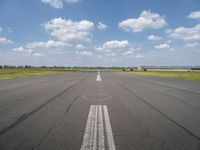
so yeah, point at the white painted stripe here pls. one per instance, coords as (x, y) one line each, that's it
(98, 77)
(92, 128)
(110, 138)
(94, 138)
(101, 130)
(88, 135)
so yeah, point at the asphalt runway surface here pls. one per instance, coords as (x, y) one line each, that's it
(99, 111)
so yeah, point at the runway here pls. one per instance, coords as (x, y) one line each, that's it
(99, 111)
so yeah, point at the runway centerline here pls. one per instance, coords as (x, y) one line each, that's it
(98, 77)
(94, 137)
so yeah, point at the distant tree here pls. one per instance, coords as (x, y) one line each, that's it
(9, 66)
(43, 67)
(20, 67)
(124, 69)
(27, 66)
(131, 69)
(195, 68)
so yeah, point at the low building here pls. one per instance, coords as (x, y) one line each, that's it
(140, 68)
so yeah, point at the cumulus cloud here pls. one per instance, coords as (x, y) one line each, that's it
(132, 54)
(109, 46)
(68, 30)
(118, 48)
(127, 53)
(22, 50)
(26, 51)
(154, 38)
(54, 3)
(72, 1)
(163, 45)
(194, 15)
(49, 44)
(147, 20)
(137, 56)
(84, 53)
(100, 49)
(4, 41)
(58, 4)
(80, 46)
(101, 26)
(111, 54)
(37, 54)
(191, 45)
(186, 34)
(56, 47)
(115, 44)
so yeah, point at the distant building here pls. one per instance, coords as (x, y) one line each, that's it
(140, 68)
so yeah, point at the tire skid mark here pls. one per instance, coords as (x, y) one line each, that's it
(156, 109)
(27, 115)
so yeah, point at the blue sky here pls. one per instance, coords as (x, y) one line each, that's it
(99, 32)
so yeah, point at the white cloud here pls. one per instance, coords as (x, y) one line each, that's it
(100, 49)
(137, 56)
(68, 30)
(154, 38)
(26, 51)
(37, 54)
(132, 54)
(163, 45)
(118, 48)
(84, 53)
(186, 34)
(169, 41)
(127, 53)
(54, 3)
(191, 45)
(4, 41)
(109, 46)
(55, 47)
(194, 15)
(99, 56)
(101, 26)
(80, 46)
(22, 50)
(115, 44)
(72, 1)
(58, 4)
(167, 31)
(147, 20)
(49, 44)
(111, 54)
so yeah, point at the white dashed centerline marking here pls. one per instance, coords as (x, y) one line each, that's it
(101, 130)
(88, 136)
(98, 77)
(94, 138)
(111, 143)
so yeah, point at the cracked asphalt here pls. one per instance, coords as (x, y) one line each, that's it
(146, 113)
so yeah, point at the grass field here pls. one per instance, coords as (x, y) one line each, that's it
(17, 73)
(192, 75)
